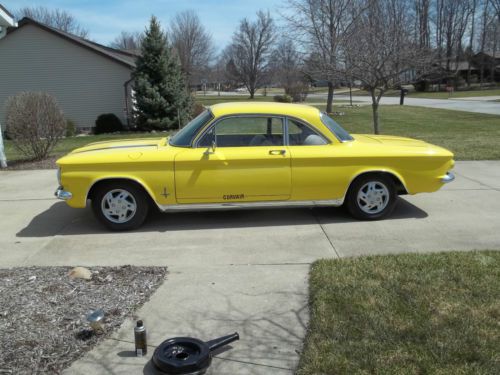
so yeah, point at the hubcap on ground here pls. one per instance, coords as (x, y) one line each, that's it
(373, 197)
(118, 206)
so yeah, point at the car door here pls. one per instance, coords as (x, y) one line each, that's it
(315, 167)
(238, 158)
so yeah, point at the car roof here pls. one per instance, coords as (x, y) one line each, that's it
(294, 110)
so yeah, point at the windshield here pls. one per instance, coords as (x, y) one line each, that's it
(185, 136)
(335, 128)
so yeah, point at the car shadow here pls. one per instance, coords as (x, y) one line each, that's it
(60, 219)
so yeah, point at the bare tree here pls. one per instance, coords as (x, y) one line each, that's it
(128, 41)
(286, 64)
(451, 22)
(422, 22)
(250, 49)
(193, 43)
(381, 49)
(57, 18)
(321, 27)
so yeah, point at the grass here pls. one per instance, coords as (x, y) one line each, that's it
(211, 100)
(471, 136)
(437, 95)
(404, 314)
(68, 144)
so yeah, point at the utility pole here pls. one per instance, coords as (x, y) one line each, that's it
(3, 159)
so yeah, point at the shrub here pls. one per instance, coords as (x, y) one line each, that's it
(70, 128)
(422, 86)
(283, 98)
(107, 123)
(35, 123)
(298, 92)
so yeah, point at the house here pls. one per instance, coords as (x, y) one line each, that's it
(86, 78)
(6, 20)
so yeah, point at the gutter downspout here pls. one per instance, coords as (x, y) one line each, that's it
(3, 158)
(127, 109)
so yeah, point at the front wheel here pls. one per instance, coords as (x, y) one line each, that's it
(120, 205)
(371, 197)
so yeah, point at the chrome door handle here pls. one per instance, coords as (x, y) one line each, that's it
(277, 152)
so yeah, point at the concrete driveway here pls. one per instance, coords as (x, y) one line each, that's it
(242, 271)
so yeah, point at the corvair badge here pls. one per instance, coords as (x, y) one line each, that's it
(233, 196)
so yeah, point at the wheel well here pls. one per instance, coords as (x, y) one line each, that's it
(400, 188)
(127, 180)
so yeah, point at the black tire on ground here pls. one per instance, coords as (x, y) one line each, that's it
(136, 196)
(355, 207)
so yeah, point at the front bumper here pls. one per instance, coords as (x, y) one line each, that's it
(448, 178)
(63, 194)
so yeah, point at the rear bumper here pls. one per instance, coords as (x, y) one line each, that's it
(448, 178)
(63, 194)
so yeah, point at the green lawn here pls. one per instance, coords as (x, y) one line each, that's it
(437, 95)
(211, 100)
(404, 314)
(471, 136)
(68, 144)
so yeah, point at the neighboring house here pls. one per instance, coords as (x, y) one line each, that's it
(87, 79)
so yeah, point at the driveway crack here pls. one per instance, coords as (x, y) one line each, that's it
(326, 235)
(477, 181)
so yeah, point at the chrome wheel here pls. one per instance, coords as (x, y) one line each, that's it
(118, 206)
(373, 197)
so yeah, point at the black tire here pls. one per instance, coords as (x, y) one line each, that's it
(359, 210)
(136, 197)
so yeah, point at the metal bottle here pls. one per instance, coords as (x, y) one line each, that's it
(141, 344)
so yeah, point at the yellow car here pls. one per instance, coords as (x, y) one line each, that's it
(236, 155)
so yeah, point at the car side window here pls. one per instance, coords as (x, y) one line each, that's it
(246, 131)
(302, 135)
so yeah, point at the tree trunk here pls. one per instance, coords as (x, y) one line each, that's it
(375, 104)
(329, 100)
(376, 128)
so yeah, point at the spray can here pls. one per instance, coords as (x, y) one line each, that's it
(141, 344)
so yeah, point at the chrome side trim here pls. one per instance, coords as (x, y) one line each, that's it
(448, 178)
(249, 205)
(63, 194)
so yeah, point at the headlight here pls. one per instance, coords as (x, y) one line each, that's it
(59, 176)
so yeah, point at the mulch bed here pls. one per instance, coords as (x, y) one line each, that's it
(43, 326)
(16, 165)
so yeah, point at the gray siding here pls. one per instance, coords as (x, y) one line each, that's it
(85, 83)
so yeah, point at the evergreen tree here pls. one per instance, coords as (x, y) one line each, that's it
(162, 101)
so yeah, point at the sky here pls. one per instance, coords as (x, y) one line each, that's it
(105, 19)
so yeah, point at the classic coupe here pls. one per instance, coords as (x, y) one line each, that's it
(236, 155)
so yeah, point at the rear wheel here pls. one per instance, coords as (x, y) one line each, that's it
(371, 197)
(120, 205)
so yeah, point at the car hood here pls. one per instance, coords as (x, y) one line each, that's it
(390, 140)
(138, 143)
